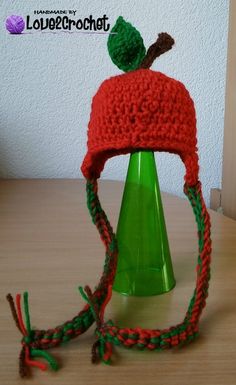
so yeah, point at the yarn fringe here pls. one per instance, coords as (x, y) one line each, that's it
(29, 349)
(101, 349)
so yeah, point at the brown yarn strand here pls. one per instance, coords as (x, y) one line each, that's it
(94, 350)
(22, 367)
(89, 293)
(163, 44)
(94, 354)
(13, 310)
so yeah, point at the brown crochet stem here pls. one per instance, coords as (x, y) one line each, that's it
(163, 44)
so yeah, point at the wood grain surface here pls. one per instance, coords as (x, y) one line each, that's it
(49, 246)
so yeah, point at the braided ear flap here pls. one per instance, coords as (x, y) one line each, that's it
(35, 342)
(186, 331)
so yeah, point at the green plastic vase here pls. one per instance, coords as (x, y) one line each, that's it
(144, 263)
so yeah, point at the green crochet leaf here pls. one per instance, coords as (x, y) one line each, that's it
(125, 46)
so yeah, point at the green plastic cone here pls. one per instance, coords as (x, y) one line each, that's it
(144, 263)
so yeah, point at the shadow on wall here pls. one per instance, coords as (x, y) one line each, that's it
(24, 155)
(31, 149)
(17, 157)
(5, 163)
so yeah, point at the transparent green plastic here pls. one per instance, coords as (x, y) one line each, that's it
(144, 264)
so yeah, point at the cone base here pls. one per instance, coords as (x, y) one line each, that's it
(145, 282)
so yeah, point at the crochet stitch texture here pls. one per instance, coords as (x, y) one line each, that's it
(143, 109)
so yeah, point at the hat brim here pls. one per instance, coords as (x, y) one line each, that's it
(94, 161)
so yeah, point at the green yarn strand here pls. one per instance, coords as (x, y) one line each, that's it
(41, 353)
(85, 297)
(26, 310)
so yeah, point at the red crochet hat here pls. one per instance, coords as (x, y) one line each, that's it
(141, 110)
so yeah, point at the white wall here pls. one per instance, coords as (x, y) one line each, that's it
(48, 80)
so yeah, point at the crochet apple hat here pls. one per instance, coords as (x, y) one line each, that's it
(139, 110)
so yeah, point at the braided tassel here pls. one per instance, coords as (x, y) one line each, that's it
(28, 351)
(101, 348)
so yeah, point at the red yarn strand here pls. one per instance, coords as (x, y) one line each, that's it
(19, 313)
(36, 364)
(106, 301)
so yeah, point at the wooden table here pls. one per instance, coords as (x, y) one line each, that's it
(49, 246)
